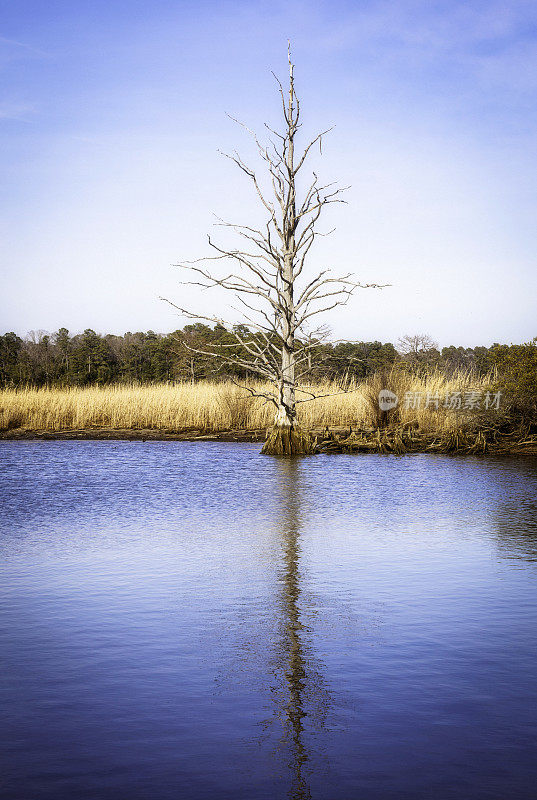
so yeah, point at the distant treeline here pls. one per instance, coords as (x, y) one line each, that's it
(85, 359)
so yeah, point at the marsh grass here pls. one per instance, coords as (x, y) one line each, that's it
(213, 407)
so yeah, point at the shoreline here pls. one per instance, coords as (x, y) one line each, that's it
(333, 440)
(132, 434)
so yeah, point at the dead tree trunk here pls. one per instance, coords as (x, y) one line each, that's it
(285, 438)
(275, 342)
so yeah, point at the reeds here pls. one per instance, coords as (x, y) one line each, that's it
(213, 407)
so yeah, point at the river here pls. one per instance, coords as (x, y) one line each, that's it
(195, 620)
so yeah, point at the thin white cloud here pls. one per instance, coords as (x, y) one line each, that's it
(17, 111)
(497, 37)
(13, 43)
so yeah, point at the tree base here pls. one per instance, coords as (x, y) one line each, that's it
(288, 441)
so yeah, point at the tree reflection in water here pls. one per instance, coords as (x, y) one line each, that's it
(299, 694)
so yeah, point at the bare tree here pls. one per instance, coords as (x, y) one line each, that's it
(419, 349)
(278, 301)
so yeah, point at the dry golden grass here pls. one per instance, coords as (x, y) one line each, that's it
(216, 407)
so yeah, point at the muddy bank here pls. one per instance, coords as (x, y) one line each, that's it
(398, 441)
(143, 435)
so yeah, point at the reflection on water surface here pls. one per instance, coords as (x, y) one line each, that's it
(195, 620)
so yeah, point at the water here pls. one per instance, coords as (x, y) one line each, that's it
(194, 620)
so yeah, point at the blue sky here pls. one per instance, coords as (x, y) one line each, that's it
(111, 115)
